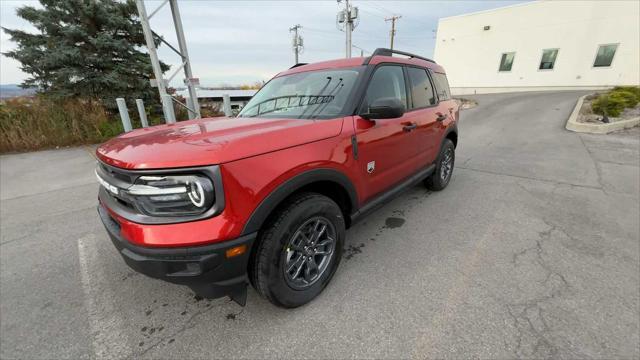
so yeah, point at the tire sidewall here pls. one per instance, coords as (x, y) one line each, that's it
(438, 182)
(276, 283)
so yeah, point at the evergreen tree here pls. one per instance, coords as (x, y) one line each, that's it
(85, 48)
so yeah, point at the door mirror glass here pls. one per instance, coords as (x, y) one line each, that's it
(385, 108)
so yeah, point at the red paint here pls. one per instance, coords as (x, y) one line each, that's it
(256, 155)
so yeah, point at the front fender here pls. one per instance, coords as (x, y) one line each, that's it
(276, 197)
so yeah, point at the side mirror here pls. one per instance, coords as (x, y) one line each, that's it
(385, 108)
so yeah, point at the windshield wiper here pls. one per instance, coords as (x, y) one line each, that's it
(291, 102)
(336, 89)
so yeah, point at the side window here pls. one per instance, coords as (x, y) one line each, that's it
(387, 81)
(421, 89)
(442, 86)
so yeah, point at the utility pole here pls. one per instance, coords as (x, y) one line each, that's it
(167, 101)
(393, 27)
(347, 17)
(297, 41)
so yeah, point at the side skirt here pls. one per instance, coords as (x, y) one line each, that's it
(382, 199)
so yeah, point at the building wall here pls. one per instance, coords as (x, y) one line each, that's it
(471, 55)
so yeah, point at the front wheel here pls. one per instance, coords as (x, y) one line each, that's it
(444, 167)
(298, 251)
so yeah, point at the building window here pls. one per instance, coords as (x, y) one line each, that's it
(548, 59)
(506, 62)
(605, 54)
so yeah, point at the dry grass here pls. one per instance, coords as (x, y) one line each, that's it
(40, 123)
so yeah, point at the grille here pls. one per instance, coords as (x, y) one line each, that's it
(116, 174)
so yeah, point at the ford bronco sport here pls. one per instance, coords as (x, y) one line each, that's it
(266, 196)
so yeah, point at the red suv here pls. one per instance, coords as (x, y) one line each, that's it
(267, 196)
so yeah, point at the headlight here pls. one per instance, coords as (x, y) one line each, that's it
(172, 195)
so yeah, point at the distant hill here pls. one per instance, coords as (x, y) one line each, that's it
(13, 90)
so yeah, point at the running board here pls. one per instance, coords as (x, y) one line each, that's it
(392, 193)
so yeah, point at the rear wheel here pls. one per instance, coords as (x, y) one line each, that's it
(444, 167)
(298, 251)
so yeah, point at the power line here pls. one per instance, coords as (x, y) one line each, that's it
(313, 30)
(379, 8)
(372, 13)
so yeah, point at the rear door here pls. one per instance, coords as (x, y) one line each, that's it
(424, 111)
(447, 106)
(387, 148)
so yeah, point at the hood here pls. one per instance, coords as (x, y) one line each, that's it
(211, 141)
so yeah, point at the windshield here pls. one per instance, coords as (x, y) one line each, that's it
(306, 95)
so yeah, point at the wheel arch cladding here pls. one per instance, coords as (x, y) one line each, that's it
(328, 182)
(452, 134)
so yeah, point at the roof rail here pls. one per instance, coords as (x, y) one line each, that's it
(298, 64)
(389, 52)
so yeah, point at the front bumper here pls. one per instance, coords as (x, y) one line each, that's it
(205, 269)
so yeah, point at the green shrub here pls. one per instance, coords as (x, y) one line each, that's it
(629, 98)
(609, 105)
(615, 101)
(635, 90)
(631, 94)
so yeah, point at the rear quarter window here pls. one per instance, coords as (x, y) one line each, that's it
(442, 86)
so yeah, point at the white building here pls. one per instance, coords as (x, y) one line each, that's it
(542, 45)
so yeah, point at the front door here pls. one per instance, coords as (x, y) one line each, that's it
(387, 148)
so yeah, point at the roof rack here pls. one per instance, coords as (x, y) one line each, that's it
(389, 52)
(298, 64)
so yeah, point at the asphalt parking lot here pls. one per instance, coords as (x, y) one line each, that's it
(533, 251)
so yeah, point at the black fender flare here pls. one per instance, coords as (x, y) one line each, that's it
(451, 129)
(284, 190)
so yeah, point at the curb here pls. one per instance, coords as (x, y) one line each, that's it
(574, 125)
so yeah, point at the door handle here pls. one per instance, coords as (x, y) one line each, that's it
(441, 117)
(409, 127)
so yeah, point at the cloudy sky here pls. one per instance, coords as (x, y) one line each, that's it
(236, 42)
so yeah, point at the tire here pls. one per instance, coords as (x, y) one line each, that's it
(444, 169)
(281, 245)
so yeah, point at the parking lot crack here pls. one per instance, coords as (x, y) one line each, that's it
(595, 164)
(533, 330)
(531, 178)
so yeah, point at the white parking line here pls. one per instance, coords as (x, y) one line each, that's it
(108, 336)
